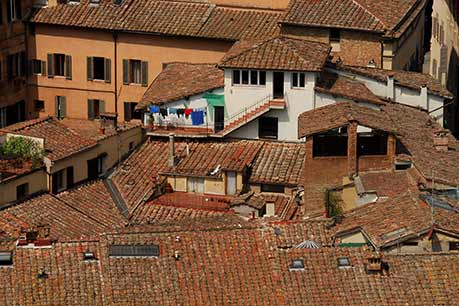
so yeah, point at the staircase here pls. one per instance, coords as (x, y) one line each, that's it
(250, 113)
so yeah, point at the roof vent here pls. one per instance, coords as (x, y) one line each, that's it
(307, 244)
(42, 274)
(94, 3)
(297, 265)
(89, 255)
(376, 265)
(118, 2)
(344, 262)
(6, 258)
(277, 231)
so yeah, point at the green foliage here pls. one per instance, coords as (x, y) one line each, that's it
(22, 149)
(332, 203)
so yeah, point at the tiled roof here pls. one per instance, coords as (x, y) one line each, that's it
(11, 168)
(408, 79)
(340, 114)
(60, 141)
(279, 163)
(84, 212)
(96, 129)
(207, 156)
(386, 184)
(187, 79)
(417, 132)
(182, 18)
(278, 53)
(340, 86)
(363, 15)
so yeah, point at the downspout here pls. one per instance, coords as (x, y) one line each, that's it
(115, 77)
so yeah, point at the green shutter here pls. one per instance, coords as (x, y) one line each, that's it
(68, 67)
(126, 72)
(101, 106)
(144, 71)
(56, 107)
(90, 109)
(43, 68)
(50, 66)
(89, 65)
(63, 106)
(107, 70)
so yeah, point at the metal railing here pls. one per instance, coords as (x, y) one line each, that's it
(248, 109)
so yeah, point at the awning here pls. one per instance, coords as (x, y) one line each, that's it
(214, 99)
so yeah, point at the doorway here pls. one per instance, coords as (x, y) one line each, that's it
(278, 85)
(219, 118)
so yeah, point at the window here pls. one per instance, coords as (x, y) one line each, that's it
(39, 105)
(344, 262)
(38, 66)
(96, 167)
(130, 112)
(335, 35)
(267, 127)
(298, 80)
(131, 146)
(15, 65)
(60, 107)
(272, 188)
(6, 258)
(195, 184)
(133, 250)
(454, 245)
(95, 108)
(249, 77)
(60, 65)
(22, 191)
(135, 72)
(374, 143)
(332, 143)
(297, 264)
(58, 181)
(98, 68)
(3, 117)
(14, 10)
(231, 182)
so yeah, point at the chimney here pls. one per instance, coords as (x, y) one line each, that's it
(171, 150)
(441, 140)
(424, 98)
(390, 90)
(270, 209)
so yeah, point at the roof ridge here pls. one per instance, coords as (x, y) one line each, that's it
(369, 12)
(253, 46)
(35, 122)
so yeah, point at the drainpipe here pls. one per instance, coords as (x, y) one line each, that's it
(115, 77)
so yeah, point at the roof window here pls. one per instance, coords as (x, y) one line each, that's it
(6, 258)
(297, 265)
(134, 250)
(89, 255)
(344, 262)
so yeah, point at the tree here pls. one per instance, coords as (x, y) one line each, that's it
(23, 149)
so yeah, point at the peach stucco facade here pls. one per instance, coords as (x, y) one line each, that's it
(79, 44)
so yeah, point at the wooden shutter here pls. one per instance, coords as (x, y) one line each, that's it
(107, 70)
(8, 10)
(17, 4)
(89, 67)
(127, 111)
(56, 107)
(91, 109)
(101, 106)
(63, 107)
(144, 71)
(68, 67)
(9, 67)
(50, 66)
(126, 72)
(43, 68)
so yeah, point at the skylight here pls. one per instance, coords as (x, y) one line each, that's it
(128, 250)
(344, 262)
(297, 264)
(6, 258)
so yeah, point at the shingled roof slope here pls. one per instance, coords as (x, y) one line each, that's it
(362, 15)
(187, 79)
(179, 18)
(340, 114)
(60, 141)
(279, 163)
(277, 53)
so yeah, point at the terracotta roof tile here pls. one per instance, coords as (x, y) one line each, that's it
(278, 53)
(188, 79)
(341, 114)
(279, 163)
(11, 168)
(182, 18)
(386, 184)
(97, 129)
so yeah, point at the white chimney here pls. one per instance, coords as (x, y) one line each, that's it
(270, 209)
(171, 150)
(390, 90)
(424, 97)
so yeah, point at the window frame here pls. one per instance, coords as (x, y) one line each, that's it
(132, 73)
(335, 36)
(380, 136)
(272, 188)
(36, 63)
(239, 77)
(265, 134)
(25, 191)
(39, 109)
(298, 80)
(332, 136)
(100, 61)
(58, 61)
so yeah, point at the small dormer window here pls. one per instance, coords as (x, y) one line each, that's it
(344, 262)
(297, 265)
(6, 258)
(89, 256)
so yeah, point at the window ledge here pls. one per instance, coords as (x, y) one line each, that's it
(329, 157)
(249, 86)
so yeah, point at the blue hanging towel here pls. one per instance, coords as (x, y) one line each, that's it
(172, 111)
(154, 109)
(197, 118)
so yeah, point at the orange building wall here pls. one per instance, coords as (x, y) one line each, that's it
(81, 43)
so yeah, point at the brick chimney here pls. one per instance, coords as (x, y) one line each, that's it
(441, 140)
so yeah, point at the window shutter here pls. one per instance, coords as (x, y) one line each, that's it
(101, 106)
(89, 65)
(125, 72)
(56, 106)
(144, 71)
(91, 109)
(127, 111)
(17, 4)
(8, 10)
(68, 67)
(30, 67)
(9, 67)
(23, 63)
(43, 68)
(107, 70)
(63, 107)
(50, 66)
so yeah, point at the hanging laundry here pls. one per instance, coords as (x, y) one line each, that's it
(154, 109)
(173, 111)
(197, 118)
(188, 111)
(163, 112)
(180, 111)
